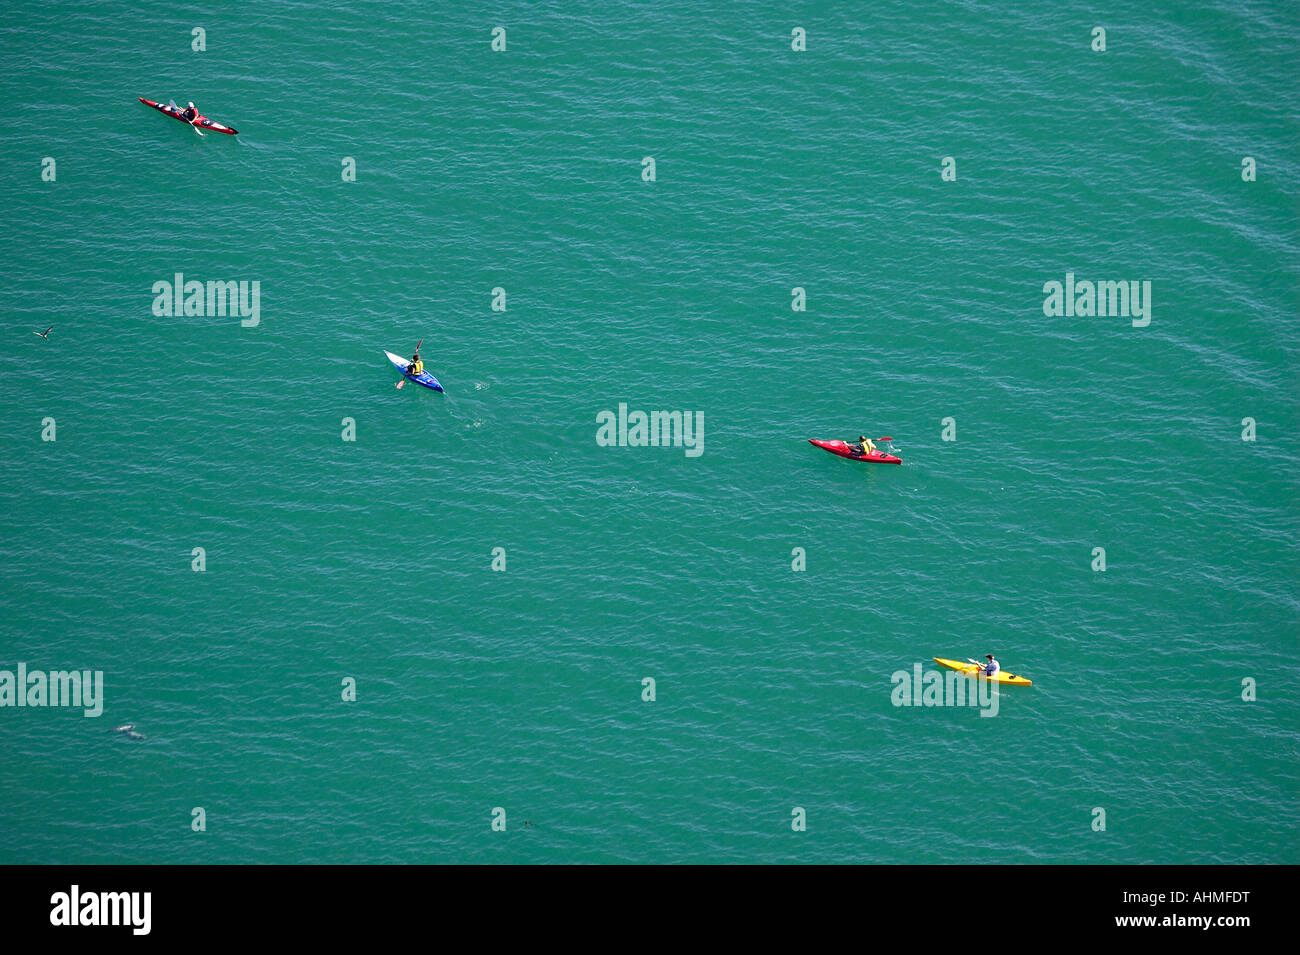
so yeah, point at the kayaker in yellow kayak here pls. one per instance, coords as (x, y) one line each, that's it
(992, 667)
(867, 446)
(416, 366)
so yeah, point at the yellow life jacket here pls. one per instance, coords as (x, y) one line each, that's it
(417, 368)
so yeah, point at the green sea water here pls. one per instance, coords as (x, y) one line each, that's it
(521, 688)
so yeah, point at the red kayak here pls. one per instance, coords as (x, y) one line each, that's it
(202, 122)
(854, 451)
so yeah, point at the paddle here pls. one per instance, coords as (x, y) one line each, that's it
(981, 666)
(857, 445)
(193, 125)
(403, 381)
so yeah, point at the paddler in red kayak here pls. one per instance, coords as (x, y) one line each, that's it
(867, 446)
(189, 113)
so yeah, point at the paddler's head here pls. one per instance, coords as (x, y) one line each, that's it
(191, 106)
(989, 656)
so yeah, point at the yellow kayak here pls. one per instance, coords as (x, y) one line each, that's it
(969, 668)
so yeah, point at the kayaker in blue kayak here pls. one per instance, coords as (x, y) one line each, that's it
(992, 667)
(416, 366)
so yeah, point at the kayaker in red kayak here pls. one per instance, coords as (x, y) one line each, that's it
(867, 446)
(190, 113)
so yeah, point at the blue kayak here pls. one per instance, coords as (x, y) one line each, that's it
(423, 378)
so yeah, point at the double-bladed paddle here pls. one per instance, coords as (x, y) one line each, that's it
(417, 351)
(193, 125)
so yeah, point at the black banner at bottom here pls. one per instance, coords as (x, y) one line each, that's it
(903, 903)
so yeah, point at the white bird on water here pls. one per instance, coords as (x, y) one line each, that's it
(129, 730)
(45, 334)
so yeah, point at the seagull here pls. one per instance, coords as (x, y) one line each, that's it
(45, 334)
(128, 730)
